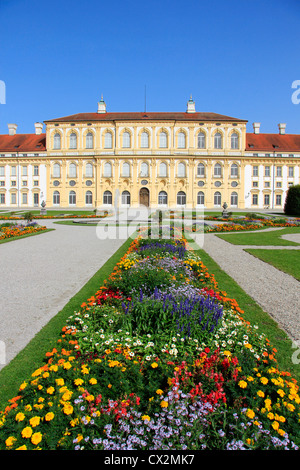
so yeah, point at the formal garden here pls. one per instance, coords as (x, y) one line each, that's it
(160, 357)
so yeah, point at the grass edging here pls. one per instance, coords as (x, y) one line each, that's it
(32, 356)
(255, 315)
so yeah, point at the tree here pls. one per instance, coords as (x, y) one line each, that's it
(292, 201)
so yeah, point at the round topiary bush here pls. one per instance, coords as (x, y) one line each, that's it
(292, 201)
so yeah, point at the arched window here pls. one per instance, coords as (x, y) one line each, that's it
(144, 169)
(126, 140)
(126, 170)
(163, 140)
(89, 140)
(56, 198)
(73, 141)
(89, 198)
(107, 197)
(234, 170)
(89, 170)
(145, 140)
(181, 170)
(57, 141)
(72, 198)
(200, 198)
(218, 140)
(126, 198)
(72, 170)
(181, 140)
(162, 198)
(200, 169)
(108, 140)
(234, 199)
(218, 170)
(163, 169)
(201, 140)
(107, 170)
(217, 198)
(234, 141)
(56, 170)
(181, 198)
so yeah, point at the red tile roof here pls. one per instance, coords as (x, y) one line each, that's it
(279, 143)
(153, 116)
(33, 143)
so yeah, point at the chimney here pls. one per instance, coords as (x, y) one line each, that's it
(12, 129)
(256, 126)
(101, 106)
(38, 127)
(191, 106)
(281, 128)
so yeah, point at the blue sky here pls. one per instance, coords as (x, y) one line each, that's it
(236, 57)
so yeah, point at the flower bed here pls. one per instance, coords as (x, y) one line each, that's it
(20, 230)
(158, 358)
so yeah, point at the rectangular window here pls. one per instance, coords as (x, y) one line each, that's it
(291, 172)
(24, 198)
(24, 183)
(278, 184)
(254, 199)
(2, 198)
(2, 171)
(13, 171)
(255, 171)
(13, 198)
(24, 171)
(36, 170)
(279, 171)
(267, 171)
(36, 199)
(266, 199)
(14, 183)
(267, 184)
(278, 199)
(35, 183)
(255, 184)
(2, 183)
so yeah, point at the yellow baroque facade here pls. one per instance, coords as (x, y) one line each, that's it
(165, 159)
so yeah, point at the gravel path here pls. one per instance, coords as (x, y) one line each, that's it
(40, 274)
(276, 292)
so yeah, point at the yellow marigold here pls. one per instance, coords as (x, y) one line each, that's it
(84, 370)
(27, 432)
(36, 438)
(36, 373)
(154, 365)
(68, 409)
(50, 390)
(264, 380)
(93, 381)
(60, 382)
(28, 407)
(67, 365)
(280, 392)
(275, 425)
(250, 413)
(20, 417)
(10, 441)
(242, 384)
(49, 416)
(67, 395)
(35, 421)
(270, 415)
(159, 391)
(164, 404)
(146, 417)
(78, 381)
(22, 447)
(260, 393)
(22, 386)
(281, 432)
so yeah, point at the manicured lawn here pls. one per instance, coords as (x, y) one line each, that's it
(287, 261)
(271, 238)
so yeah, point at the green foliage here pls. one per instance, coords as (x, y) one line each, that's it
(292, 201)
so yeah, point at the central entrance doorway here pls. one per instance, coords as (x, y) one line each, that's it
(144, 197)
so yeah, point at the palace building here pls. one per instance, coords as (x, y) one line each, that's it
(160, 159)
